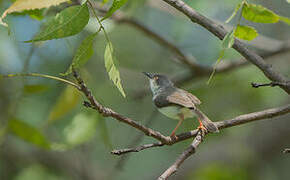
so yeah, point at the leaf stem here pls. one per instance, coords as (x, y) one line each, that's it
(43, 76)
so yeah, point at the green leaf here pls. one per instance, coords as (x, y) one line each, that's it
(28, 133)
(117, 4)
(285, 19)
(81, 129)
(259, 14)
(68, 22)
(29, 89)
(234, 13)
(245, 32)
(22, 5)
(111, 68)
(68, 99)
(228, 40)
(83, 54)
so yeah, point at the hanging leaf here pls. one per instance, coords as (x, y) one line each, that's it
(37, 88)
(28, 133)
(259, 14)
(111, 68)
(21, 5)
(234, 13)
(68, 99)
(117, 4)
(83, 54)
(81, 129)
(68, 22)
(228, 40)
(245, 32)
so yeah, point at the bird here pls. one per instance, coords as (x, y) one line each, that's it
(177, 103)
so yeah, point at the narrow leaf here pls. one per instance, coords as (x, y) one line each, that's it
(245, 32)
(117, 4)
(68, 22)
(83, 54)
(259, 14)
(111, 68)
(28, 133)
(81, 129)
(228, 40)
(68, 99)
(234, 13)
(21, 5)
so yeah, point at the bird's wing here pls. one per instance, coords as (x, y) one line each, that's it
(183, 98)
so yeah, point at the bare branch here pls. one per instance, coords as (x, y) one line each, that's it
(242, 119)
(188, 152)
(287, 150)
(271, 84)
(220, 32)
(107, 112)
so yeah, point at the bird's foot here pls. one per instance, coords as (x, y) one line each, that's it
(173, 136)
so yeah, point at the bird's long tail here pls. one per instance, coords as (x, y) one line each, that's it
(207, 123)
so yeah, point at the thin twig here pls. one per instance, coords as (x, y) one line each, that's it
(41, 75)
(271, 84)
(287, 150)
(242, 119)
(186, 154)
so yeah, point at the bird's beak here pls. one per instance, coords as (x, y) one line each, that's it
(149, 75)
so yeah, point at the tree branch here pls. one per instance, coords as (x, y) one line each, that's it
(220, 32)
(242, 119)
(287, 150)
(188, 152)
(107, 112)
(271, 84)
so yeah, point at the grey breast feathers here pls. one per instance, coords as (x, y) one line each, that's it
(183, 98)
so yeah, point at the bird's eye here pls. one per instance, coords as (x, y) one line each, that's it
(155, 78)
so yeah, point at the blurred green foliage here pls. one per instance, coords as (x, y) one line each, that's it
(40, 112)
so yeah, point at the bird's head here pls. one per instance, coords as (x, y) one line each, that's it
(158, 81)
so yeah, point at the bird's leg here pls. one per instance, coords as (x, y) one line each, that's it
(201, 127)
(178, 124)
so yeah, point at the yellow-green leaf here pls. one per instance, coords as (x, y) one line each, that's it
(28, 133)
(259, 14)
(68, 22)
(37, 88)
(228, 40)
(285, 19)
(83, 54)
(68, 99)
(81, 129)
(117, 4)
(22, 5)
(111, 68)
(246, 32)
(234, 13)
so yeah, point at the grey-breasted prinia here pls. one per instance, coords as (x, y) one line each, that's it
(177, 103)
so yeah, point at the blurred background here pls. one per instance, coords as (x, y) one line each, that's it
(81, 140)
